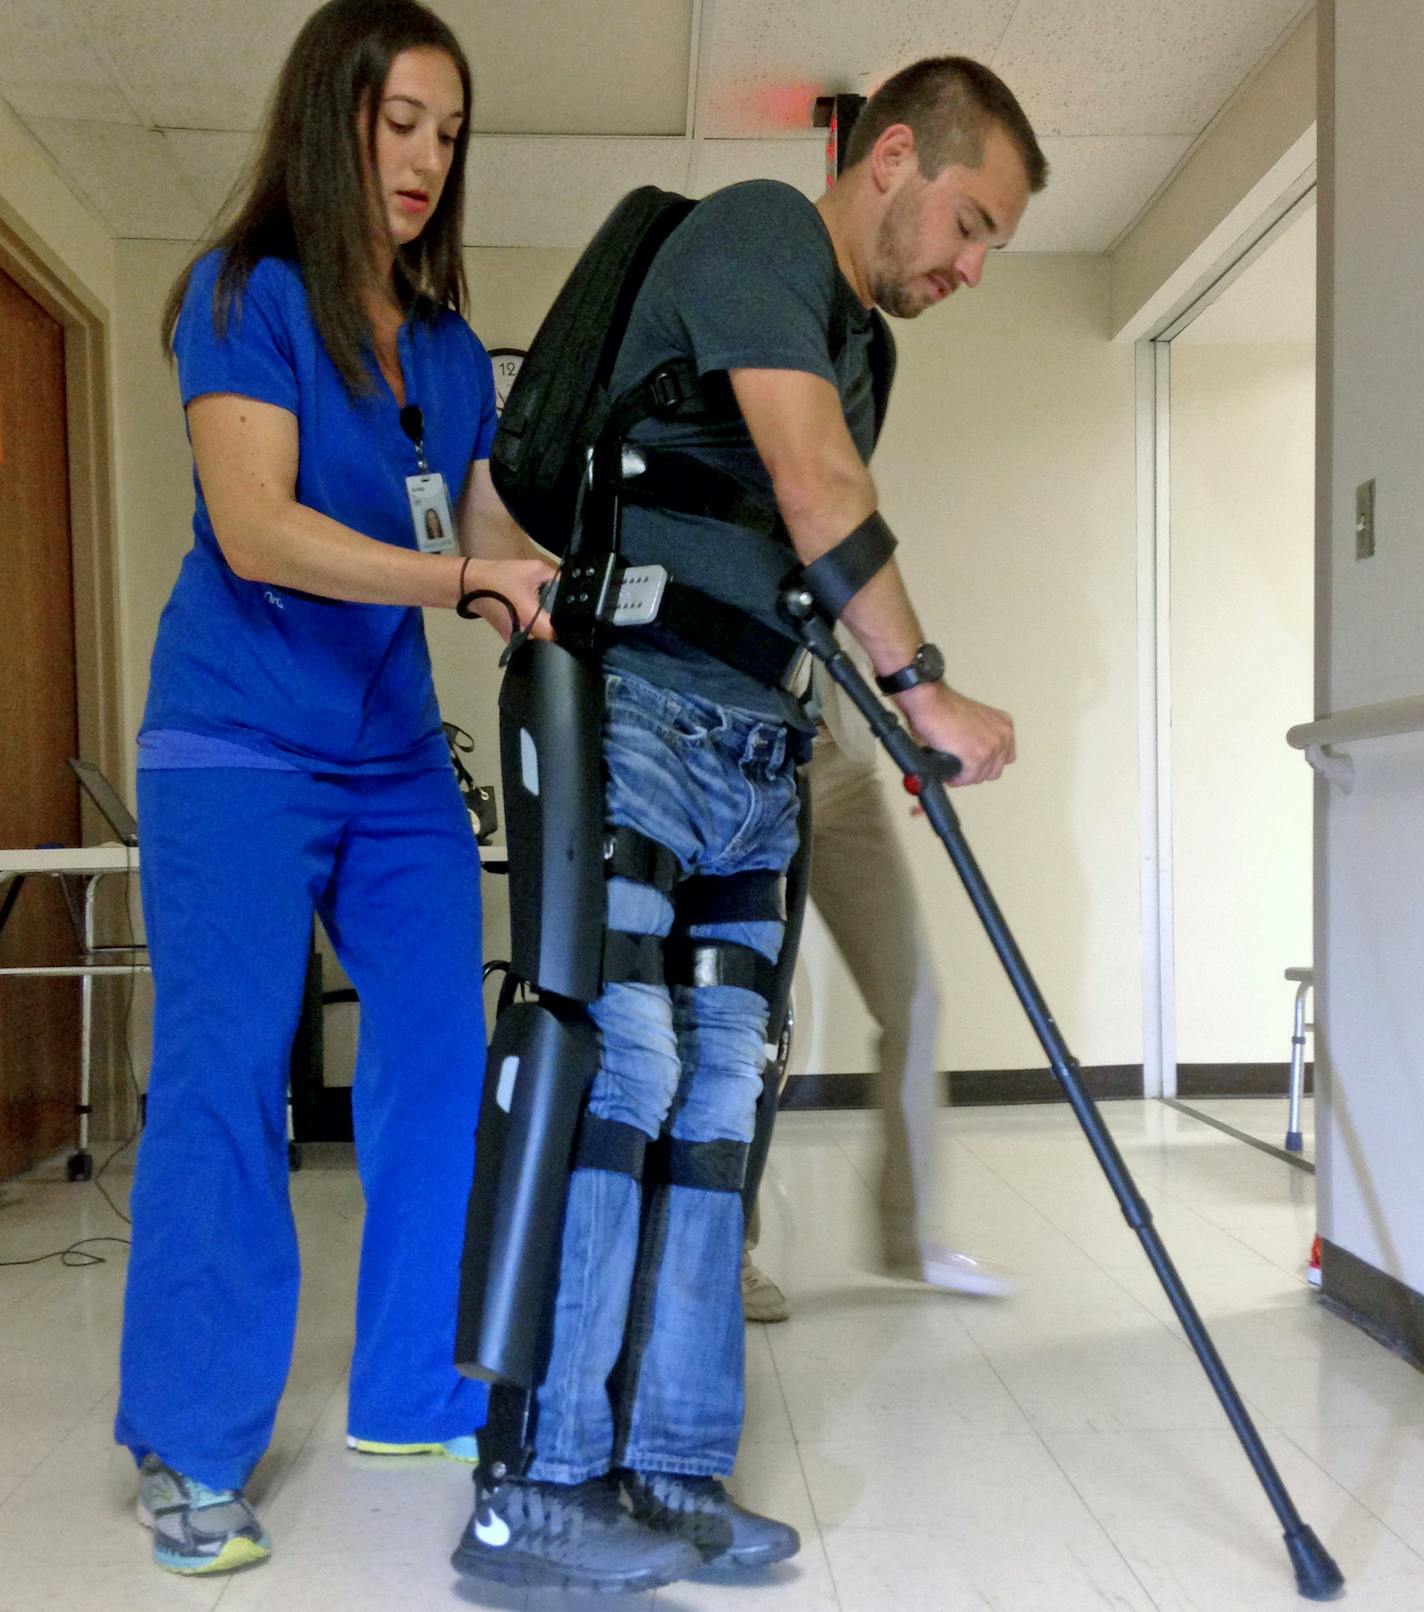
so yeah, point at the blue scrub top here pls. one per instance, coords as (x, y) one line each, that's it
(285, 677)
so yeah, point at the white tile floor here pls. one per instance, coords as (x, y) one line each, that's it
(1054, 1452)
(1265, 1118)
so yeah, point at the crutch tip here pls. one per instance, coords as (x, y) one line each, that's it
(1316, 1575)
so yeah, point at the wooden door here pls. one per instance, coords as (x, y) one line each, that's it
(39, 800)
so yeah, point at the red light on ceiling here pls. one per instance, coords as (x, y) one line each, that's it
(836, 114)
(787, 106)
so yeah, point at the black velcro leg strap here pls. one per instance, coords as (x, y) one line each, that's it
(609, 1144)
(709, 1166)
(699, 963)
(841, 572)
(735, 898)
(633, 959)
(627, 854)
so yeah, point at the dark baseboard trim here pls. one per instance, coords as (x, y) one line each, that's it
(968, 1088)
(1239, 1079)
(974, 1088)
(323, 1113)
(1377, 1303)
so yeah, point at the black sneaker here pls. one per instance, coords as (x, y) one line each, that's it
(570, 1536)
(701, 1511)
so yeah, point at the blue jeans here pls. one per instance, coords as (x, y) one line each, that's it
(645, 1368)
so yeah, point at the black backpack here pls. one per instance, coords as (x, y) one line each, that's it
(559, 406)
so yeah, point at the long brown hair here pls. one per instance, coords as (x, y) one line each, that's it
(305, 196)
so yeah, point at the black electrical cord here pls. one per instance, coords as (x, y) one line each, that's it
(70, 1257)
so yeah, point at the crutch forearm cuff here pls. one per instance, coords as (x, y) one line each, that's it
(842, 571)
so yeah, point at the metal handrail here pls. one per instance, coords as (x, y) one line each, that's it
(1364, 722)
(1382, 721)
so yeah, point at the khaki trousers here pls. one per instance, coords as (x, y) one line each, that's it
(863, 888)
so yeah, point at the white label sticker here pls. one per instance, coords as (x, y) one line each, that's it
(528, 762)
(508, 1074)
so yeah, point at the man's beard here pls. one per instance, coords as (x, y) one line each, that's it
(890, 284)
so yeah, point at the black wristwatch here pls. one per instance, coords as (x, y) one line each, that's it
(927, 667)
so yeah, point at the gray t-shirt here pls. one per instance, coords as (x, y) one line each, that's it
(748, 280)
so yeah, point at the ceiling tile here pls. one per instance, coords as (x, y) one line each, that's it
(556, 191)
(210, 161)
(763, 62)
(211, 66)
(196, 66)
(1095, 190)
(127, 175)
(47, 64)
(1114, 67)
(726, 162)
(617, 68)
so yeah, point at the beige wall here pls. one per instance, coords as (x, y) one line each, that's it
(1014, 511)
(1006, 470)
(1243, 490)
(1370, 938)
(509, 292)
(1262, 141)
(40, 208)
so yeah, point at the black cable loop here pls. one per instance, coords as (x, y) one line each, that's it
(466, 605)
(518, 635)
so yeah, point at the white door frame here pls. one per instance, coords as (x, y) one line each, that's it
(1153, 358)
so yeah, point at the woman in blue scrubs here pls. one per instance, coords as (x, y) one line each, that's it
(291, 763)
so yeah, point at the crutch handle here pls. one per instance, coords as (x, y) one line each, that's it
(940, 764)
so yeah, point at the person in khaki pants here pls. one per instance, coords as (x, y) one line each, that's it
(854, 853)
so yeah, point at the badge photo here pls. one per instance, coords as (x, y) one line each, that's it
(430, 514)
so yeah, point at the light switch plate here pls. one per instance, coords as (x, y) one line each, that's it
(1365, 520)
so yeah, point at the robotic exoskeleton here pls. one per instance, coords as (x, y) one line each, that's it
(534, 1126)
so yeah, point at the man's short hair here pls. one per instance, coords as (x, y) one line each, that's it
(948, 103)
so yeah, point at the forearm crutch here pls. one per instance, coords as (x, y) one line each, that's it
(925, 774)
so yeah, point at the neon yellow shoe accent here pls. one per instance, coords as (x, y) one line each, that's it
(236, 1553)
(455, 1449)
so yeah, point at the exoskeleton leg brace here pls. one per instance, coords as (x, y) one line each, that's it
(534, 1124)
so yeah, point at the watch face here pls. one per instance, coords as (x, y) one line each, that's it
(930, 663)
(507, 363)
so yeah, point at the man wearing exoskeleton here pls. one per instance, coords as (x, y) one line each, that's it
(768, 303)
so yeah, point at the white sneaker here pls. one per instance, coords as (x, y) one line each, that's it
(951, 1272)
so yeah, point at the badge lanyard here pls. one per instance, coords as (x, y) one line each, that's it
(429, 504)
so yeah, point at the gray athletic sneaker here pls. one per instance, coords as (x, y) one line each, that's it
(571, 1536)
(197, 1529)
(701, 1511)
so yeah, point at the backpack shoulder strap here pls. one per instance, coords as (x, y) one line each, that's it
(882, 366)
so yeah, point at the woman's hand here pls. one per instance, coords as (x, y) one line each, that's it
(520, 582)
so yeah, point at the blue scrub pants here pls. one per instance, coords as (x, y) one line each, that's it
(234, 863)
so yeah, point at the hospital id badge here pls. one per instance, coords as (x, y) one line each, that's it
(430, 513)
